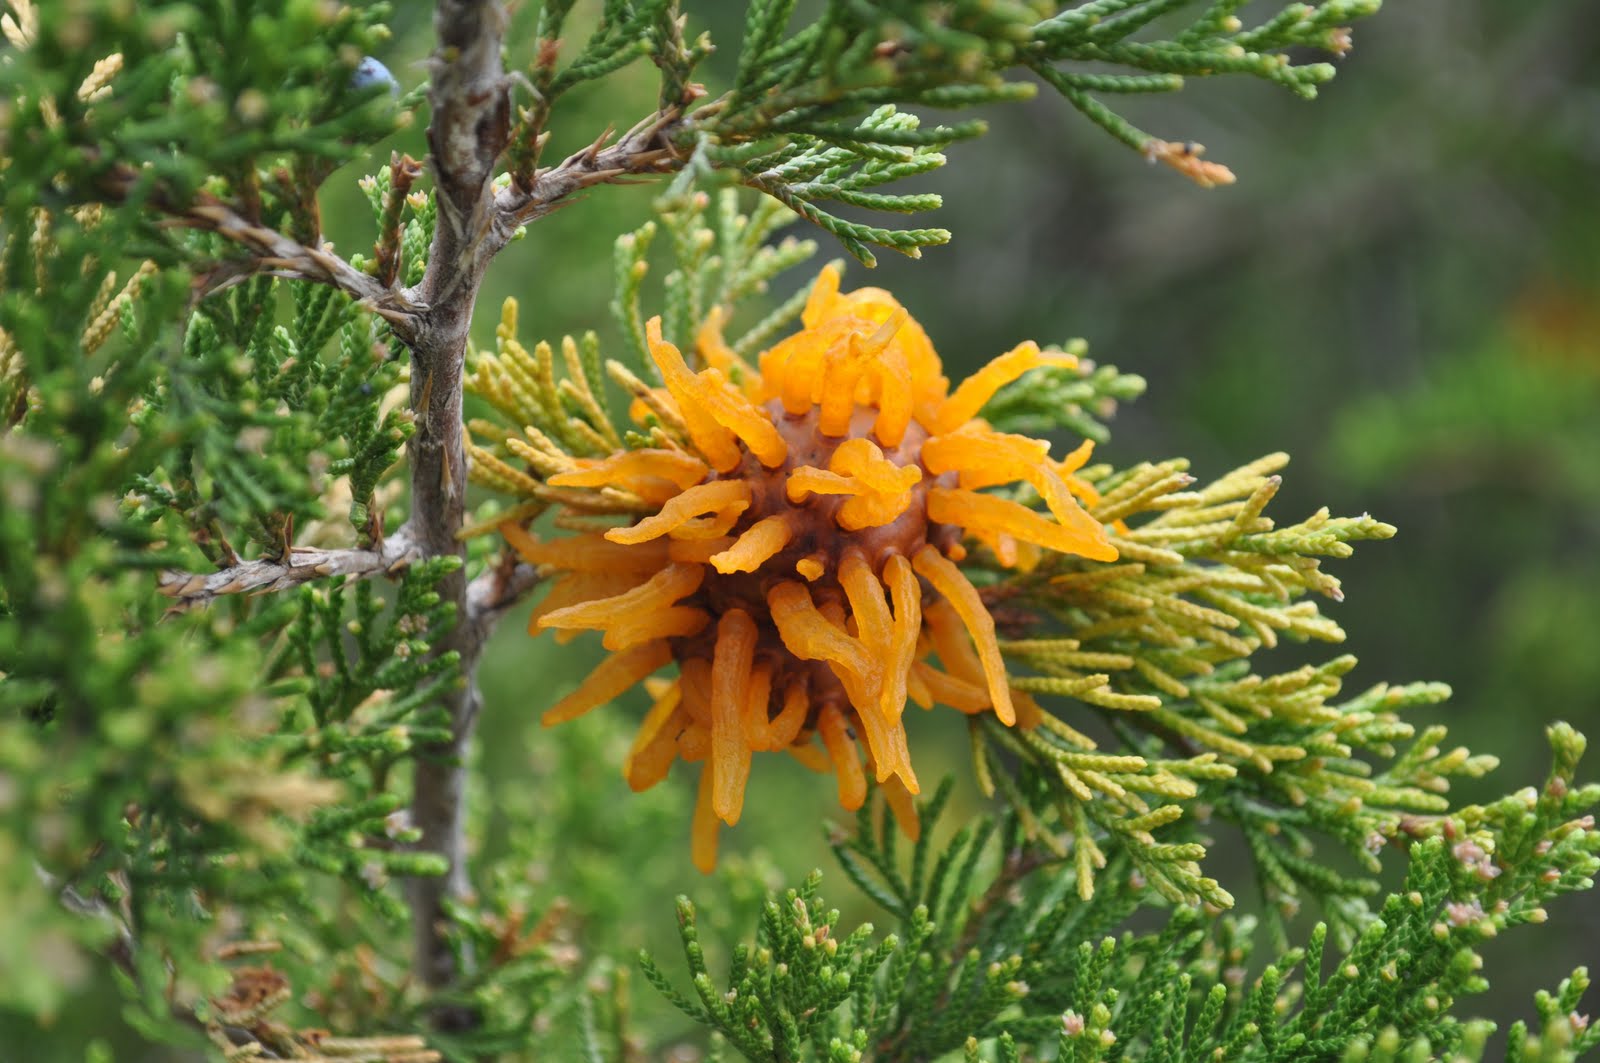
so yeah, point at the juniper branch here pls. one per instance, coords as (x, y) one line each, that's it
(302, 565)
(470, 101)
(497, 590)
(272, 253)
(646, 149)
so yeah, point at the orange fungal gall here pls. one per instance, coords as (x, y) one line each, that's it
(799, 563)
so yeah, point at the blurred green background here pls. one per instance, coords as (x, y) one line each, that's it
(1402, 291)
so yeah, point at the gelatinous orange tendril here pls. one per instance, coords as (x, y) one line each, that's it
(718, 497)
(653, 475)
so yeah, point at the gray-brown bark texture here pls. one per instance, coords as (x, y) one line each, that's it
(471, 111)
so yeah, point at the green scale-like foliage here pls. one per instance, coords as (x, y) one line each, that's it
(178, 756)
(996, 948)
(816, 117)
(158, 761)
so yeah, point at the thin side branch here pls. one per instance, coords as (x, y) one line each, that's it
(270, 253)
(497, 590)
(646, 149)
(273, 252)
(303, 565)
